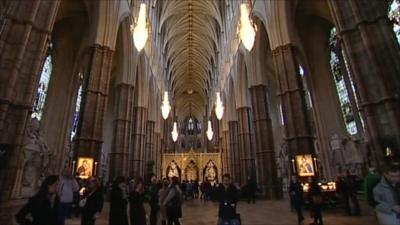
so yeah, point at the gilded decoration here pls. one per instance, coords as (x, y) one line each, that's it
(192, 166)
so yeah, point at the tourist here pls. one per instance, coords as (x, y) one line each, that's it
(228, 197)
(297, 199)
(387, 196)
(44, 207)
(68, 187)
(315, 198)
(162, 194)
(119, 202)
(189, 190)
(251, 189)
(136, 201)
(153, 201)
(370, 181)
(351, 195)
(173, 202)
(92, 204)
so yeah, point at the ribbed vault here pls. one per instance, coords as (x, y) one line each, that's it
(189, 30)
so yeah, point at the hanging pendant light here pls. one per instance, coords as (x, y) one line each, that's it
(165, 106)
(219, 107)
(140, 31)
(247, 31)
(209, 132)
(174, 132)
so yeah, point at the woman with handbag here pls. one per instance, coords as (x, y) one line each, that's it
(315, 198)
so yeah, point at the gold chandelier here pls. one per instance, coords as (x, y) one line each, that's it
(219, 107)
(247, 31)
(165, 106)
(209, 132)
(174, 132)
(140, 31)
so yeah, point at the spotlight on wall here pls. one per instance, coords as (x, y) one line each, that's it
(165, 106)
(247, 31)
(140, 31)
(219, 107)
(174, 133)
(209, 132)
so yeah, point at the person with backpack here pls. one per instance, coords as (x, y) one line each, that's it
(173, 202)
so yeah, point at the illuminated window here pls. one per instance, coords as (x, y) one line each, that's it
(77, 108)
(307, 92)
(281, 115)
(41, 94)
(394, 16)
(190, 124)
(343, 93)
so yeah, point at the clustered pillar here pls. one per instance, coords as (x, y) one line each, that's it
(265, 153)
(247, 163)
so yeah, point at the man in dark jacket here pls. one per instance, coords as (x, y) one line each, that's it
(296, 195)
(154, 206)
(228, 198)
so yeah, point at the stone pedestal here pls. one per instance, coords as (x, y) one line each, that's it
(297, 129)
(265, 154)
(119, 153)
(374, 59)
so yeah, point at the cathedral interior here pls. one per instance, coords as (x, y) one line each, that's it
(196, 89)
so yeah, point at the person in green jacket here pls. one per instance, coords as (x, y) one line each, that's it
(370, 181)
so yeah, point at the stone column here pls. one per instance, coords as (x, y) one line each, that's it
(119, 154)
(234, 150)
(157, 153)
(149, 148)
(247, 163)
(297, 128)
(265, 153)
(226, 148)
(139, 137)
(374, 59)
(89, 138)
(25, 29)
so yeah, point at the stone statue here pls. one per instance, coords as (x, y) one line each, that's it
(211, 173)
(36, 158)
(173, 170)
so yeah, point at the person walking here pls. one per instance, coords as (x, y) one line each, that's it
(153, 201)
(44, 207)
(251, 188)
(173, 202)
(315, 198)
(228, 196)
(136, 201)
(162, 194)
(387, 196)
(68, 188)
(370, 182)
(351, 195)
(296, 195)
(119, 202)
(92, 204)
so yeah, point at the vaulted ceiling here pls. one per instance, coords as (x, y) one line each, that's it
(190, 30)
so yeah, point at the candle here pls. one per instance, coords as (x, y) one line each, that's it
(73, 167)
(95, 168)
(315, 164)
(293, 167)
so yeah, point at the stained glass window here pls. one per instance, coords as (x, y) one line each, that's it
(307, 92)
(343, 93)
(281, 115)
(190, 125)
(41, 94)
(77, 108)
(394, 16)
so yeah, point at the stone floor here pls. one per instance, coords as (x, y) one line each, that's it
(261, 213)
